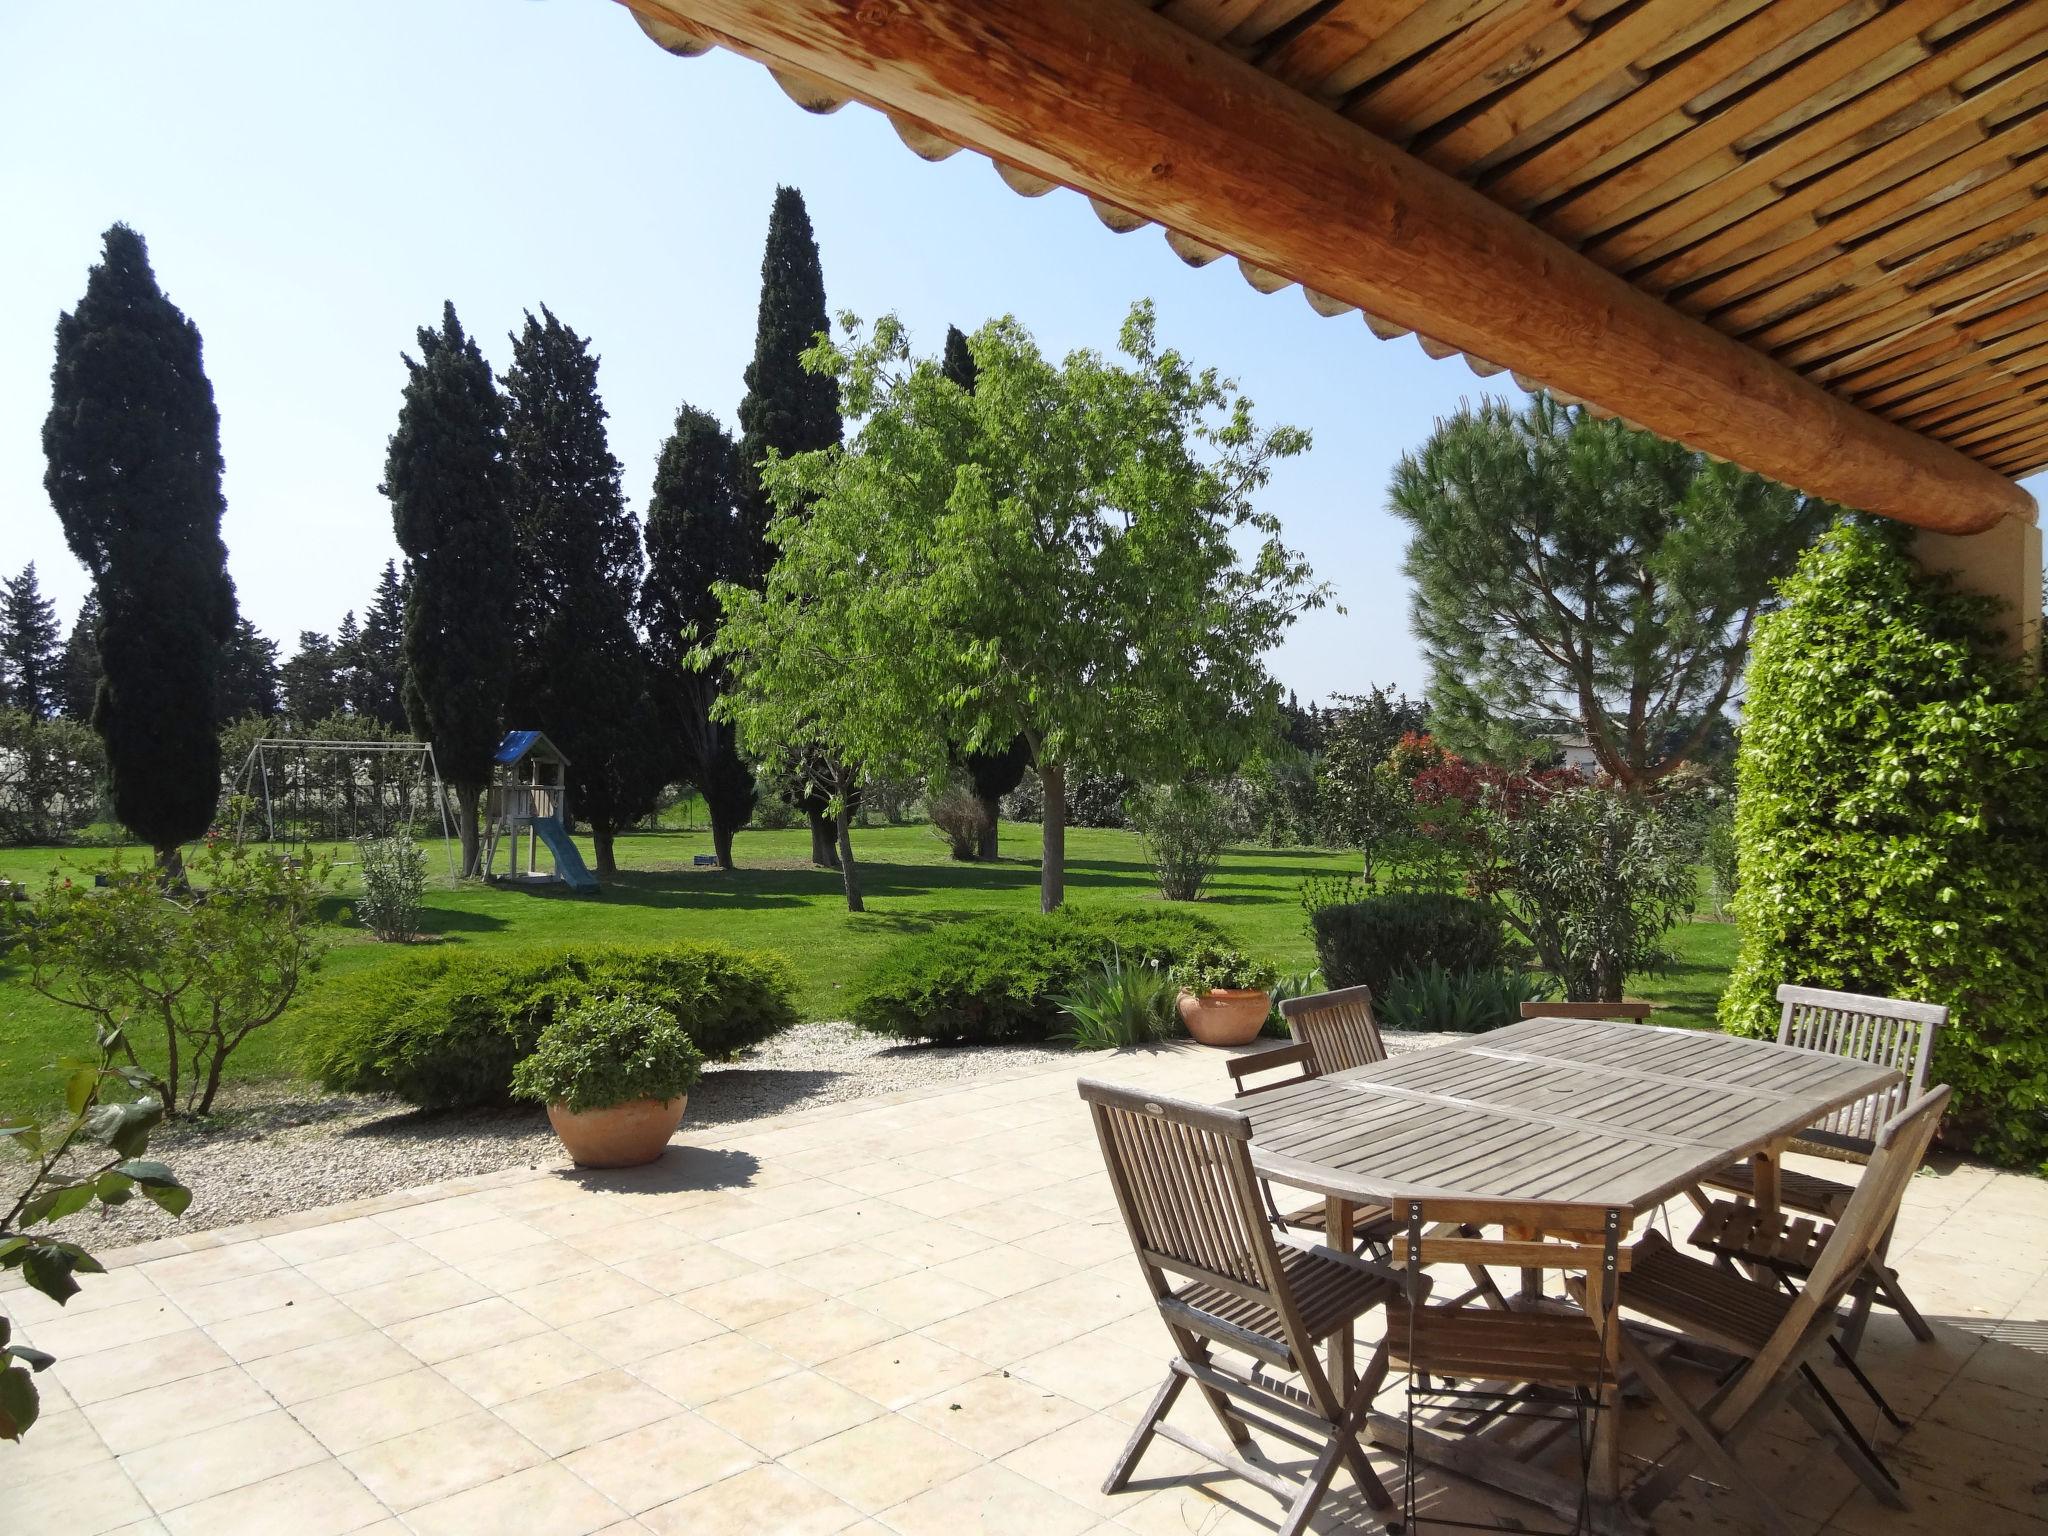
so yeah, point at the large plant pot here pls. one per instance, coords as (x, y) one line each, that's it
(623, 1136)
(1225, 1015)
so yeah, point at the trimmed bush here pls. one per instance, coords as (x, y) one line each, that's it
(1372, 941)
(1892, 825)
(607, 1052)
(444, 1030)
(999, 978)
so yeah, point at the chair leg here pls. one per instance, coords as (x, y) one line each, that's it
(1141, 1437)
(1359, 1411)
(1704, 1444)
(1895, 1297)
(1817, 1406)
(1314, 1486)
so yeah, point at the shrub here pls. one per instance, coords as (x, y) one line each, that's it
(1320, 891)
(1210, 966)
(444, 1030)
(1118, 1005)
(1718, 848)
(1370, 942)
(1183, 828)
(1289, 985)
(394, 871)
(996, 978)
(1456, 1002)
(960, 820)
(609, 1051)
(1892, 825)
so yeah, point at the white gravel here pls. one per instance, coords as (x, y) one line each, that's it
(270, 1150)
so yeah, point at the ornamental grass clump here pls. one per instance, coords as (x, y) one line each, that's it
(606, 1052)
(1122, 1004)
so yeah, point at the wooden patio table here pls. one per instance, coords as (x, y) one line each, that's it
(1590, 1113)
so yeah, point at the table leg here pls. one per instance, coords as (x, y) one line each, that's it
(1763, 1168)
(1337, 1232)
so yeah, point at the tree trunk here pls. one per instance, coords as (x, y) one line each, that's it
(843, 825)
(985, 846)
(170, 866)
(1052, 868)
(605, 857)
(466, 796)
(721, 841)
(823, 853)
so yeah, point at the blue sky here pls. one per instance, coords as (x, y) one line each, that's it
(313, 183)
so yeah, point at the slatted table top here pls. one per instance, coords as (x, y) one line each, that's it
(1613, 1114)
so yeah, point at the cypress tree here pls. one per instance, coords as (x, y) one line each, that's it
(251, 682)
(377, 675)
(696, 535)
(787, 408)
(78, 679)
(580, 673)
(451, 508)
(31, 646)
(313, 686)
(133, 443)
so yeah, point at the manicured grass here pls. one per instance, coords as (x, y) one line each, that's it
(775, 901)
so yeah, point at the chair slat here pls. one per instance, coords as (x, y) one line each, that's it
(1884, 1031)
(1338, 1027)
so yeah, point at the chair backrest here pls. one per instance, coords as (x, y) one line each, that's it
(1337, 1026)
(1885, 1031)
(1183, 1178)
(1296, 1060)
(1635, 1012)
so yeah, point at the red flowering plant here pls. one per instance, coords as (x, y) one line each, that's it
(1459, 809)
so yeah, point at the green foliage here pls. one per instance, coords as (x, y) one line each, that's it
(787, 408)
(394, 871)
(1463, 1002)
(1211, 966)
(1372, 941)
(78, 682)
(65, 1178)
(251, 681)
(1118, 1005)
(960, 820)
(444, 1030)
(31, 646)
(208, 966)
(1286, 986)
(1558, 557)
(1594, 879)
(1892, 825)
(1719, 848)
(50, 773)
(1184, 827)
(609, 1051)
(1320, 891)
(997, 978)
(133, 444)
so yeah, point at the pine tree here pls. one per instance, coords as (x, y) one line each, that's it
(451, 507)
(78, 679)
(314, 689)
(133, 443)
(378, 676)
(789, 409)
(348, 649)
(696, 535)
(581, 673)
(251, 682)
(31, 646)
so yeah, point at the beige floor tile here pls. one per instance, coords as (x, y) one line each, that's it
(629, 1240)
(1094, 1370)
(319, 1500)
(1081, 1243)
(520, 1368)
(584, 1411)
(1073, 1461)
(763, 1499)
(131, 1322)
(640, 1332)
(993, 1501)
(328, 1240)
(943, 1197)
(882, 1462)
(1938, 1456)
(2013, 1366)
(1007, 1219)
(463, 1330)
(752, 1298)
(660, 1462)
(838, 1271)
(902, 1370)
(791, 1411)
(580, 1297)
(919, 1299)
(136, 1367)
(174, 1473)
(1003, 1269)
(141, 1419)
(1218, 1506)
(388, 1260)
(189, 1271)
(518, 1269)
(382, 1410)
(480, 1240)
(443, 1215)
(925, 1243)
(716, 1367)
(1993, 1412)
(77, 1506)
(882, 1178)
(320, 1369)
(115, 1288)
(544, 1498)
(60, 1441)
(994, 1414)
(225, 1299)
(1932, 1511)
(1007, 1331)
(283, 1329)
(397, 1301)
(823, 1331)
(677, 1271)
(441, 1459)
(780, 1241)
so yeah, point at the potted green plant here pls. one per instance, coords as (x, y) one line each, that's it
(1225, 995)
(615, 1075)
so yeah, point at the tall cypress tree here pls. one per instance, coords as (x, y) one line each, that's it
(378, 675)
(697, 535)
(251, 682)
(787, 408)
(78, 680)
(451, 507)
(31, 646)
(133, 443)
(581, 673)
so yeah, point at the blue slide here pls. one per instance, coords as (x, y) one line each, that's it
(568, 862)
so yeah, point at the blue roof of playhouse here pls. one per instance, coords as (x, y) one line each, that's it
(518, 743)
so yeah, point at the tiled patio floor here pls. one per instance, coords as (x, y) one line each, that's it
(914, 1315)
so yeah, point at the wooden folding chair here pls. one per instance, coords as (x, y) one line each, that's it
(1338, 1026)
(1632, 1013)
(1472, 1367)
(1372, 1226)
(1888, 1032)
(1775, 1338)
(1183, 1178)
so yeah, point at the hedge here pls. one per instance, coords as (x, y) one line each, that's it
(444, 1030)
(1892, 825)
(1371, 942)
(994, 978)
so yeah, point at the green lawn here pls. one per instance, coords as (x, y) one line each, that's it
(777, 901)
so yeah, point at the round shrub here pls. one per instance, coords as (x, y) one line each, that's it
(1371, 942)
(1210, 966)
(609, 1051)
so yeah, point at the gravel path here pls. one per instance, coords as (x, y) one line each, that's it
(269, 1152)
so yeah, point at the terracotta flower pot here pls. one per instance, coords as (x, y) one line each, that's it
(622, 1136)
(1225, 1015)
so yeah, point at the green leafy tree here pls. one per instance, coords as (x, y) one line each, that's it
(697, 536)
(787, 409)
(1053, 556)
(31, 646)
(251, 681)
(1363, 801)
(581, 673)
(1565, 565)
(133, 444)
(78, 678)
(377, 673)
(314, 687)
(51, 786)
(451, 507)
(1891, 824)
